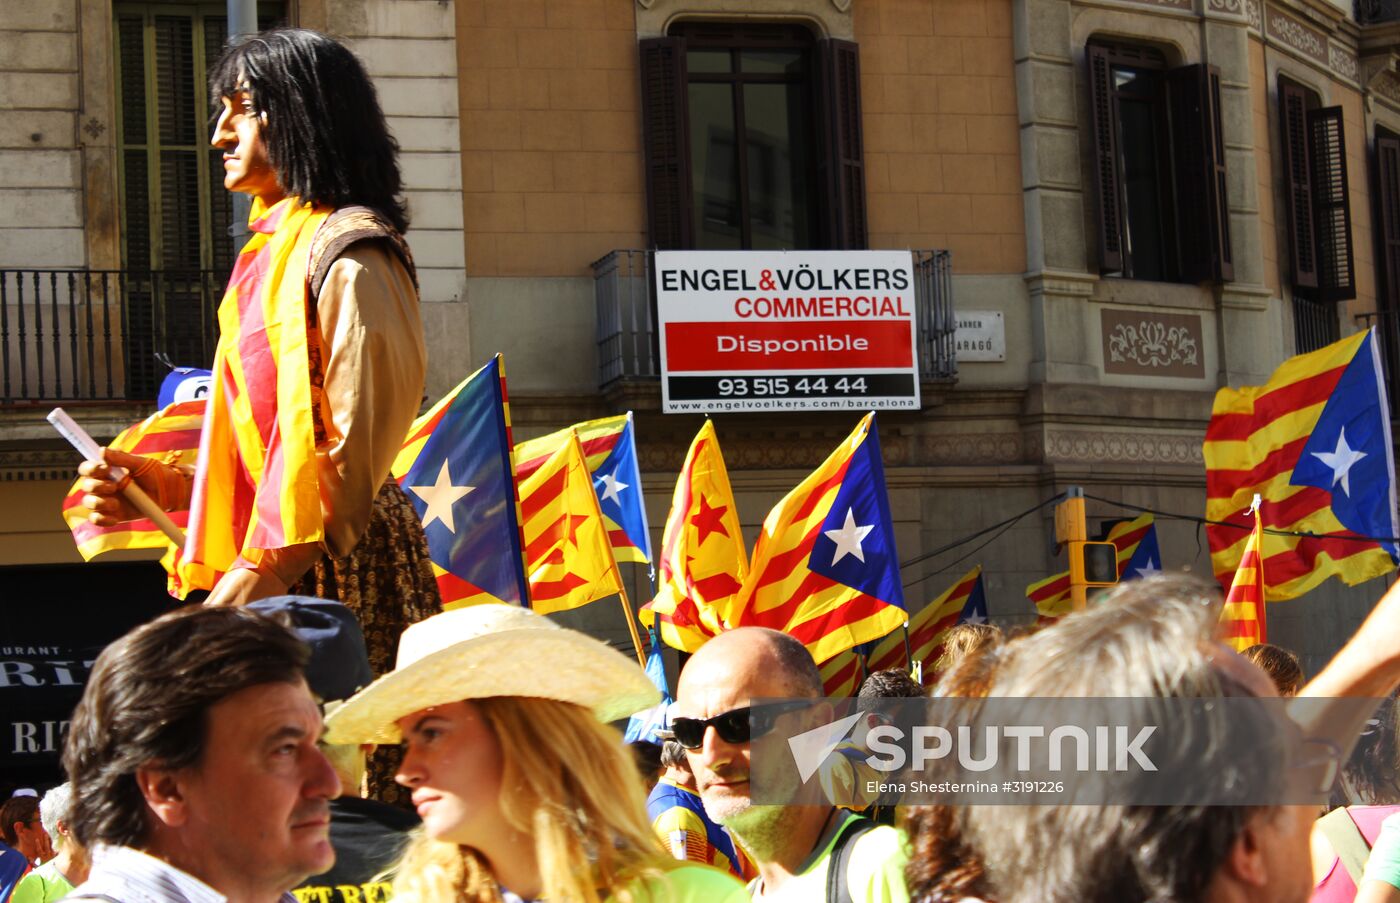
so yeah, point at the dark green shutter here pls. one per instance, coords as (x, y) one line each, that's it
(1336, 275)
(666, 143)
(1198, 158)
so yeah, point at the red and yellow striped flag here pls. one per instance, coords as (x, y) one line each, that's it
(172, 435)
(256, 484)
(567, 556)
(1243, 618)
(703, 560)
(841, 674)
(929, 628)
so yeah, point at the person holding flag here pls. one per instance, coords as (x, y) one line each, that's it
(320, 365)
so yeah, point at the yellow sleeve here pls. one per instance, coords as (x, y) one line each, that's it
(846, 779)
(683, 833)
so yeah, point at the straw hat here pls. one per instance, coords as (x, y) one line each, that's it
(491, 650)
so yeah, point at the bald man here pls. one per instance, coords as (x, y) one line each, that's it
(795, 845)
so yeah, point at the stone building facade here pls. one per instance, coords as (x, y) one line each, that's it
(523, 121)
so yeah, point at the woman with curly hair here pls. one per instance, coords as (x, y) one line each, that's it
(943, 867)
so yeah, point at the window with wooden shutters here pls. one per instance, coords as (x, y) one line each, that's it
(665, 132)
(1199, 150)
(175, 212)
(752, 138)
(842, 166)
(1336, 277)
(1321, 266)
(1387, 204)
(1106, 160)
(1159, 166)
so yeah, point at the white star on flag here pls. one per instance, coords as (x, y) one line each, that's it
(1341, 461)
(441, 496)
(1152, 568)
(849, 538)
(975, 618)
(614, 487)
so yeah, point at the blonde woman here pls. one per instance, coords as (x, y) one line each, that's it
(524, 791)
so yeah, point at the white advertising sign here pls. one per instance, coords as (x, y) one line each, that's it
(786, 330)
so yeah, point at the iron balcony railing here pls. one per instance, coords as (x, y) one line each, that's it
(627, 334)
(1387, 323)
(100, 335)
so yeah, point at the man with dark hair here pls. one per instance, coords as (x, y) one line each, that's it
(19, 816)
(795, 847)
(891, 683)
(367, 835)
(21, 828)
(194, 762)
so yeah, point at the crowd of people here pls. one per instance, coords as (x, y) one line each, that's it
(218, 753)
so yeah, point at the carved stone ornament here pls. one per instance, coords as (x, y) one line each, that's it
(1152, 344)
(1388, 87)
(1343, 61)
(1253, 13)
(1228, 7)
(1186, 5)
(1105, 447)
(1292, 33)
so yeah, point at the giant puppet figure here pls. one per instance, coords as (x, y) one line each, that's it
(320, 363)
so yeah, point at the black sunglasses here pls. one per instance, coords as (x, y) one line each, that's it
(735, 725)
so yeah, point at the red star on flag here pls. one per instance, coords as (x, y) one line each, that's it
(708, 520)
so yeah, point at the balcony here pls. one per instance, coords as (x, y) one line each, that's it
(102, 335)
(627, 334)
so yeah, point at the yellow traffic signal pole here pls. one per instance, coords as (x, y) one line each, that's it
(1070, 531)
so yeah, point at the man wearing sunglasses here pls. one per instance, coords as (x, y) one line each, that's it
(794, 846)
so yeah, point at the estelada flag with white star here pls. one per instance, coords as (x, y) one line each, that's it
(963, 602)
(568, 560)
(610, 448)
(1242, 619)
(825, 569)
(455, 468)
(1138, 556)
(1314, 442)
(703, 560)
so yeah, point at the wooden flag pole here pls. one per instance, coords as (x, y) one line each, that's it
(631, 617)
(908, 650)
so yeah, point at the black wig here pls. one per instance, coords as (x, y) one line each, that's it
(325, 133)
